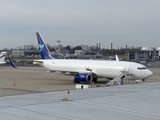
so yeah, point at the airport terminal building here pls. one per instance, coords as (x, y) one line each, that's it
(25, 53)
(146, 53)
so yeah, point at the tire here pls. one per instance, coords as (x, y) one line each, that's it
(75, 81)
(95, 79)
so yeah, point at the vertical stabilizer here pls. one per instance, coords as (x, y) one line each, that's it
(117, 59)
(2, 57)
(45, 53)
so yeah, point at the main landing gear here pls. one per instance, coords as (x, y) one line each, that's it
(95, 79)
(75, 81)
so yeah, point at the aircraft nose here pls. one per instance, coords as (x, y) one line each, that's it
(149, 73)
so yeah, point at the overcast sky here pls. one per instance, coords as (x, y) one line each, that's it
(75, 22)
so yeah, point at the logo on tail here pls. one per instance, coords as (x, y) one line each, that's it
(41, 47)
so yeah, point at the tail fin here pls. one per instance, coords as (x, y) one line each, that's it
(117, 59)
(45, 53)
(2, 56)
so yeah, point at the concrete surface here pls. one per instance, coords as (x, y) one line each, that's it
(31, 93)
(36, 80)
(126, 102)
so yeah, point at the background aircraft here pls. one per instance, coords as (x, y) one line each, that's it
(2, 58)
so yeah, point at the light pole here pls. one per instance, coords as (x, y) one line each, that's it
(88, 69)
(59, 47)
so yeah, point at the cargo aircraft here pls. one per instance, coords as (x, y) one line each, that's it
(85, 70)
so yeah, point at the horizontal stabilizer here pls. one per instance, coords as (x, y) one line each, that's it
(13, 65)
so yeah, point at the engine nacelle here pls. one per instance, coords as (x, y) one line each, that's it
(84, 77)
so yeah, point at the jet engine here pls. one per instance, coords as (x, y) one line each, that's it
(83, 77)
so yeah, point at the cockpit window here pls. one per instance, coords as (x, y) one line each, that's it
(141, 68)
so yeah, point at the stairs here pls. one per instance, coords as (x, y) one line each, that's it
(119, 78)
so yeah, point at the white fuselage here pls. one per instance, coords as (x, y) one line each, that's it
(102, 68)
(1, 63)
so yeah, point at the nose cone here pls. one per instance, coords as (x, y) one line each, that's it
(148, 73)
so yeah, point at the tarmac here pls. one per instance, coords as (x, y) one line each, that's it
(28, 80)
(32, 93)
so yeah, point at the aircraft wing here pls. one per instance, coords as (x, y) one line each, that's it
(40, 62)
(72, 73)
(68, 72)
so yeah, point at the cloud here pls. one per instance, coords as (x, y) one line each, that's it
(81, 22)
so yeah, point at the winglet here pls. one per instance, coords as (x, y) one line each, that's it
(11, 62)
(117, 59)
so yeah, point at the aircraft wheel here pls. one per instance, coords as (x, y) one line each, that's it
(75, 81)
(95, 79)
